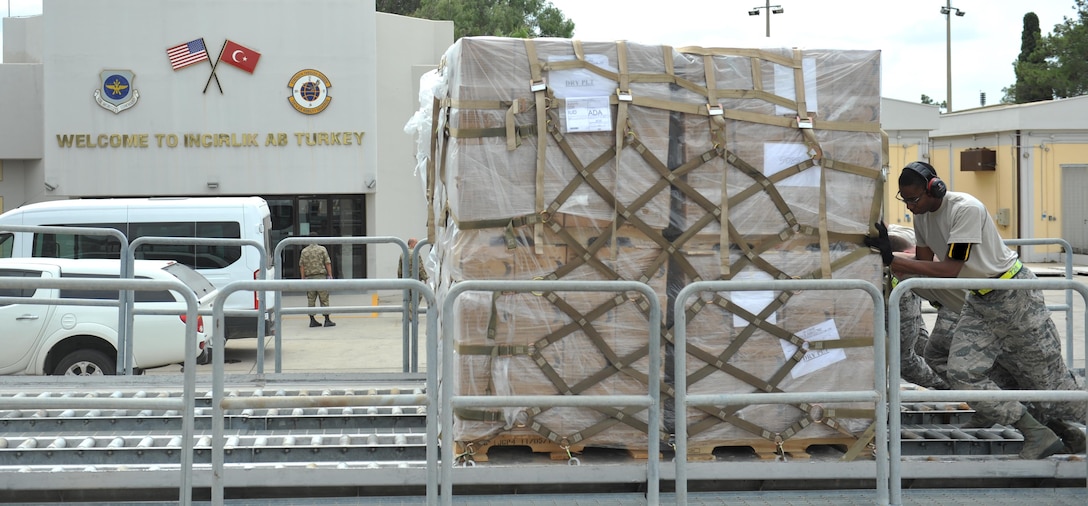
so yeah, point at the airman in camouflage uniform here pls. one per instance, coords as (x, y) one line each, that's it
(314, 263)
(1011, 328)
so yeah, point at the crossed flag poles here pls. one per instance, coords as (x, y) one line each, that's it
(194, 51)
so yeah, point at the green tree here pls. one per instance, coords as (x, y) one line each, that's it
(503, 18)
(1057, 63)
(1065, 50)
(402, 7)
(1032, 77)
(929, 101)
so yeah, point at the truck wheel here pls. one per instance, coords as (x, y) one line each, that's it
(86, 363)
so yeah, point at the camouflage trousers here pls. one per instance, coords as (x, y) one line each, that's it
(913, 337)
(940, 340)
(312, 297)
(1012, 330)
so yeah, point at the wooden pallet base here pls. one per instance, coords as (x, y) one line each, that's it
(767, 450)
(698, 451)
(537, 444)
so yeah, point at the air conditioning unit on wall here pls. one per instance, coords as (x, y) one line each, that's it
(978, 159)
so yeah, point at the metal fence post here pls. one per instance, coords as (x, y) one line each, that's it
(428, 400)
(185, 405)
(877, 395)
(895, 397)
(278, 272)
(652, 401)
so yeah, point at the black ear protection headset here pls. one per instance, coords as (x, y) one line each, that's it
(934, 186)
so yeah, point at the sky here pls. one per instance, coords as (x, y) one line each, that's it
(911, 34)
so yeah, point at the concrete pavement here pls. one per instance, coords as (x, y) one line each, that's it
(359, 343)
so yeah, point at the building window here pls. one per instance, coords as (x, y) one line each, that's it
(328, 216)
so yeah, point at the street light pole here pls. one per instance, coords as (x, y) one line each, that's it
(948, 55)
(948, 10)
(767, 9)
(770, 9)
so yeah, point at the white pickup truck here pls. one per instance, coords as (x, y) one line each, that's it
(82, 340)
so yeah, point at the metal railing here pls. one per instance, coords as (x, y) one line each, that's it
(886, 396)
(129, 257)
(123, 331)
(896, 397)
(427, 400)
(877, 395)
(411, 271)
(1068, 306)
(451, 402)
(186, 404)
(410, 358)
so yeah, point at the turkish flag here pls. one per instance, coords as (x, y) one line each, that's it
(239, 56)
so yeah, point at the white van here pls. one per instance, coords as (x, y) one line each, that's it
(204, 217)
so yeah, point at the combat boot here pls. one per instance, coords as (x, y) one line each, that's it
(328, 322)
(314, 322)
(1039, 441)
(1072, 435)
(978, 421)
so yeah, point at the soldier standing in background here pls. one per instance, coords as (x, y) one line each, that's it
(314, 263)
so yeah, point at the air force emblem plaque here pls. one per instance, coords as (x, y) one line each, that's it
(309, 91)
(116, 92)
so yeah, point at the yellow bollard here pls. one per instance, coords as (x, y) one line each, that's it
(374, 302)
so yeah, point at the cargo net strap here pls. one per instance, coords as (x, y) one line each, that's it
(674, 180)
(672, 242)
(671, 251)
(810, 413)
(615, 365)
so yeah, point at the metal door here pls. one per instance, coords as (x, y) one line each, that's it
(1075, 207)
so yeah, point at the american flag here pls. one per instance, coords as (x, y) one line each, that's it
(183, 55)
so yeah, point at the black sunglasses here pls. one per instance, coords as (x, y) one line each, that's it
(912, 200)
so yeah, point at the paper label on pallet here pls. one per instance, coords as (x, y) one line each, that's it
(781, 155)
(784, 86)
(580, 83)
(752, 301)
(589, 115)
(819, 359)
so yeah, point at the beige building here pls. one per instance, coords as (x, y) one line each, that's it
(175, 98)
(1027, 162)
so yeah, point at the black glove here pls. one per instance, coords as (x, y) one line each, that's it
(881, 242)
